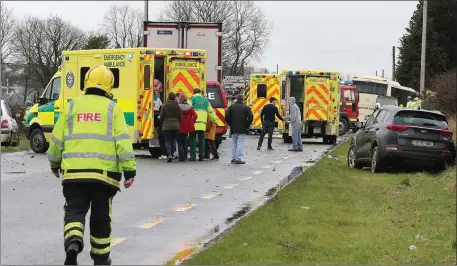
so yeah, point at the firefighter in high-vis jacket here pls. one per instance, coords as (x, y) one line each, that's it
(91, 147)
(416, 103)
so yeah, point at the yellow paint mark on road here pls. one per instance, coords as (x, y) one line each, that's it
(230, 186)
(116, 240)
(257, 172)
(246, 178)
(211, 195)
(153, 222)
(185, 207)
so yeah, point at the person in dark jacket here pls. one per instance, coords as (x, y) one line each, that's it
(171, 116)
(186, 126)
(239, 118)
(267, 117)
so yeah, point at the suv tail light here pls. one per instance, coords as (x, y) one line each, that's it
(446, 133)
(395, 127)
(4, 123)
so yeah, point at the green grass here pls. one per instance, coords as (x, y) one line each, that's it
(24, 144)
(354, 217)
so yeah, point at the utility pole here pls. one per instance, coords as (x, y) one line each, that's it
(393, 63)
(382, 75)
(146, 10)
(277, 68)
(376, 73)
(424, 40)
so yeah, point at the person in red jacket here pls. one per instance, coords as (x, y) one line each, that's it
(189, 116)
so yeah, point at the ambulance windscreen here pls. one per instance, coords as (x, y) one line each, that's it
(214, 96)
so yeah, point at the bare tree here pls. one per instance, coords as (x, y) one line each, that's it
(124, 25)
(246, 30)
(7, 24)
(40, 42)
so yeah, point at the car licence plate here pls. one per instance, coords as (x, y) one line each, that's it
(422, 143)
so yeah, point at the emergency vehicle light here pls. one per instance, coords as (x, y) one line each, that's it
(187, 53)
(149, 52)
(158, 52)
(194, 53)
(297, 72)
(321, 73)
(328, 73)
(291, 72)
(263, 76)
(258, 76)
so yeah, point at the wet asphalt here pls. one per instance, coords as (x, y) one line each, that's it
(170, 207)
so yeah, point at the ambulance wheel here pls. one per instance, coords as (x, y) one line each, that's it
(155, 152)
(38, 141)
(287, 138)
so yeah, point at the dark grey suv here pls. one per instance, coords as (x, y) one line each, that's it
(395, 136)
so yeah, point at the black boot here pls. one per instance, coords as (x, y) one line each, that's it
(102, 261)
(72, 254)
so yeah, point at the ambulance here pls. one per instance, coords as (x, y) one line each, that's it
(134, 70)
(261, 88)
(317, 94)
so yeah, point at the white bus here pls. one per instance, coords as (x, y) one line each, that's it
(370, 87)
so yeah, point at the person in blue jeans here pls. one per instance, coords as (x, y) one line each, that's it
(295, 123)
(239, 118)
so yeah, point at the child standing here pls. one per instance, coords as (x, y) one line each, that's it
(210, 137)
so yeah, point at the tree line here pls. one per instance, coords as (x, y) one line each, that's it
(441, 54)
(32, 46)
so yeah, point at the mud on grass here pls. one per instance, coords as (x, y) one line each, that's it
(24, 144)
(333, 214)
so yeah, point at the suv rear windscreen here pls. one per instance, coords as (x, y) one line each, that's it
(214, 96)
(421, 119)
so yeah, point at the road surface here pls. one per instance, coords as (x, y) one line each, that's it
(171, 206)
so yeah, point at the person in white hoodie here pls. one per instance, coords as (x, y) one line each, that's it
(295, 123)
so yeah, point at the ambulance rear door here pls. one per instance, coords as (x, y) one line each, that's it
(185, 74)
(317, 98)
(145, 102)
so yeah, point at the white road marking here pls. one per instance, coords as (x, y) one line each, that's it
(266, 166)
(246, 178)
(153, 222)
(116, 240)
(230, 186)
(185, 207)
(277, 162)
(285, 158)
(257, 172)
(211, 195)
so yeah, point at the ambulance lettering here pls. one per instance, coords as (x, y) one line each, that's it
(86, 117)
(186, 64)
(211, 96)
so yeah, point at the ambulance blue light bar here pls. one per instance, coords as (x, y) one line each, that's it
(194, 53)
(294, 73)
(149, 52)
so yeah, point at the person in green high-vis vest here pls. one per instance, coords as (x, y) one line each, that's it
(203, 108)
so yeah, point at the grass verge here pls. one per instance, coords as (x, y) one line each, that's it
(334, 214)
(24, 144)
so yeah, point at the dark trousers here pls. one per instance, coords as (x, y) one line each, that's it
(267, 127)
(78, 198)
(210, 147)
(193, 144)
(183, 146)
(170, 141)
(162, 144)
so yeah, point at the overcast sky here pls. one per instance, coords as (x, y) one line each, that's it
(347, 36)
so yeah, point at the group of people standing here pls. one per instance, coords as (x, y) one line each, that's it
(181, 122)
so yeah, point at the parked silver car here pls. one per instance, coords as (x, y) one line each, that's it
(9, 128)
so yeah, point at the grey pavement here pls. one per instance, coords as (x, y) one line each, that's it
(170, 207)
